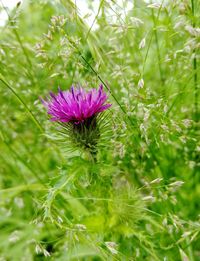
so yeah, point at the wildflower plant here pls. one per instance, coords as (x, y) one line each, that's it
(79, 114)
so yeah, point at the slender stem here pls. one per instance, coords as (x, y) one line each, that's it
(25, 164)
(195, 88)
(103, 82)
(99, 9)
(158, 49)
(195, 69)
(23, 103)
(147, 52)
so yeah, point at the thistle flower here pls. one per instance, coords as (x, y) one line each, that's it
(78, 112)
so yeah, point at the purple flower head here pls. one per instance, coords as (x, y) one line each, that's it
(77, 113)
(76, 105)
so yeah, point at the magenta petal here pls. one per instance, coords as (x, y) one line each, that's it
(76, 105)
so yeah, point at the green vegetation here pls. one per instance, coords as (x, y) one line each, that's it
(140, 200)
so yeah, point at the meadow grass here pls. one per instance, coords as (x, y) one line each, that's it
(139, 199)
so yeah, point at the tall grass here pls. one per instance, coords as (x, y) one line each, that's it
(143, 203)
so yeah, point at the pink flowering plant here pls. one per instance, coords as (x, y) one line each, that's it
(79, 112)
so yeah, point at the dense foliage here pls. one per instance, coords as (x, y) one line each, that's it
(140, 198)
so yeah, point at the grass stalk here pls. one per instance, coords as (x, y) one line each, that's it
(195, 68)
(22, 102)
(158, 49)
(18, 157)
